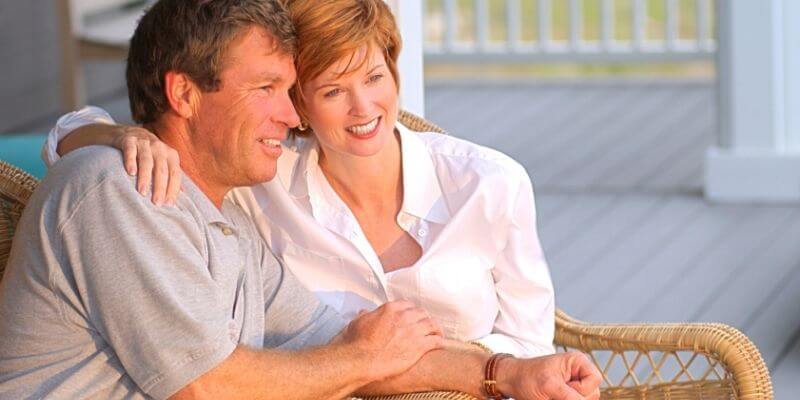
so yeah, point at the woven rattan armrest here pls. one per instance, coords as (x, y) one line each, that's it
(732, 366)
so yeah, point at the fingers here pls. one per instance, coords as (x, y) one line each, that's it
(144, 158)
(160, 179)
(174, 186)
(430, 343)
(562, 391)
(585, 376)
(129, 154)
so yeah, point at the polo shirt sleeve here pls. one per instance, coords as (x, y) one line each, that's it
(293, 316)
(143, 285)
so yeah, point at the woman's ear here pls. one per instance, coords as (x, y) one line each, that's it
(182, 94)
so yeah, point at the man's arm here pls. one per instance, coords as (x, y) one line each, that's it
(330, 372)
(459, 366)
(374, 347)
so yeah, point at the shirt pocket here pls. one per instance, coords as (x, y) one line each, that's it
(460, 295)
(321, 274)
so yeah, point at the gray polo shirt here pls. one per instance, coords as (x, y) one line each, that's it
(107, 296)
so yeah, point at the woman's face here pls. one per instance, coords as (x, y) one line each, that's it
(353, 114)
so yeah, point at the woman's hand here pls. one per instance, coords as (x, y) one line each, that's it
(149, 159)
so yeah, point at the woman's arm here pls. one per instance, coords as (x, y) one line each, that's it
(526, 322)
(145, 156)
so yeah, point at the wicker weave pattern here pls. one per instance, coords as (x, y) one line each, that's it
(674, 361)
(16, 187)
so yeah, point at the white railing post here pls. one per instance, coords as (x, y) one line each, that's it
(575, 24)
(757, 157)
(482, 24)
(513, 16)
(410, 64)
(703, 35)
(639, 26)
(450, 23)
(545, 14)
(607, 24)
(672, 22)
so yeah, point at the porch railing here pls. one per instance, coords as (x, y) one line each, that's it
(563, 30)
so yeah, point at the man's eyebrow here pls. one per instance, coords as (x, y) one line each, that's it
(270, 77)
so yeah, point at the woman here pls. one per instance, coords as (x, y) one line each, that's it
(365, 211)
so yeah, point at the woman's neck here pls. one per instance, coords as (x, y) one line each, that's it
(367, 184)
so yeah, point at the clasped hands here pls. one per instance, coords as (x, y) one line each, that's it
(395, 336)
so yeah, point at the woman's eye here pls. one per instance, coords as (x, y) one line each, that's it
(375, 78)
(332, 93)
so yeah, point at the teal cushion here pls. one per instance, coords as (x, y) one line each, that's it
(24, 151)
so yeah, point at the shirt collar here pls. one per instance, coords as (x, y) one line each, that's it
(207, 209)
(299, 173)
(422, 193)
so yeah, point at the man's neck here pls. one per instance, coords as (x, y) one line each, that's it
(178, 138)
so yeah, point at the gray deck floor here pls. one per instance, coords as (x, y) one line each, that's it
(617, 169)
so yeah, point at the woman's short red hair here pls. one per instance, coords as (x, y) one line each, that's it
(331, 30)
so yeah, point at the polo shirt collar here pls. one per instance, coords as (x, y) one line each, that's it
(207, 209)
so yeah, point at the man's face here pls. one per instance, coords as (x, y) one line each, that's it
(238, 128)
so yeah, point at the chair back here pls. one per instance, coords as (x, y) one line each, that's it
(16, 187)
(418, 124)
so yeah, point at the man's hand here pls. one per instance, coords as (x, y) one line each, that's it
(392, 338)
(564, 376)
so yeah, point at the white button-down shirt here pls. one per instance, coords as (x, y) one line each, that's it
(482, 274)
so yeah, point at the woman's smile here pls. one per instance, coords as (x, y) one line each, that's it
(365, 131)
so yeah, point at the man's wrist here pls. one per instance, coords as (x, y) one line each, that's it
(361, 362)
(506, 375)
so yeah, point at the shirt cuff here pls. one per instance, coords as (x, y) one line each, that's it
(68, 123)
(499, 343)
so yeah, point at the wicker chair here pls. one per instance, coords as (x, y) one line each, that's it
(638, 361)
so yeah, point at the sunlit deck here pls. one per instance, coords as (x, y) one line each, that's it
(617, 168)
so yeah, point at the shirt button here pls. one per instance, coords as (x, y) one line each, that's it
(422, 232)
(227, 231)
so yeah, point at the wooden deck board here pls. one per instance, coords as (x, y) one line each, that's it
(785, 376)
(652, 140)
(618, 262)
(589, 154)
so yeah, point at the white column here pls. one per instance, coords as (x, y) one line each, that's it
(757, 155)
(412, 82)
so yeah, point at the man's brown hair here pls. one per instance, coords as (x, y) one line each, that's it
(191, 37)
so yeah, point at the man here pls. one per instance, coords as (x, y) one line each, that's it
(109, 296)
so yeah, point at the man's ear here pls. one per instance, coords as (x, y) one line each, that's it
(182, 93)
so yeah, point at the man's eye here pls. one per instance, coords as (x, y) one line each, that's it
(267, 88)
(332, 93)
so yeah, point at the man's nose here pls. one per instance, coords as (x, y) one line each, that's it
(286, 113)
